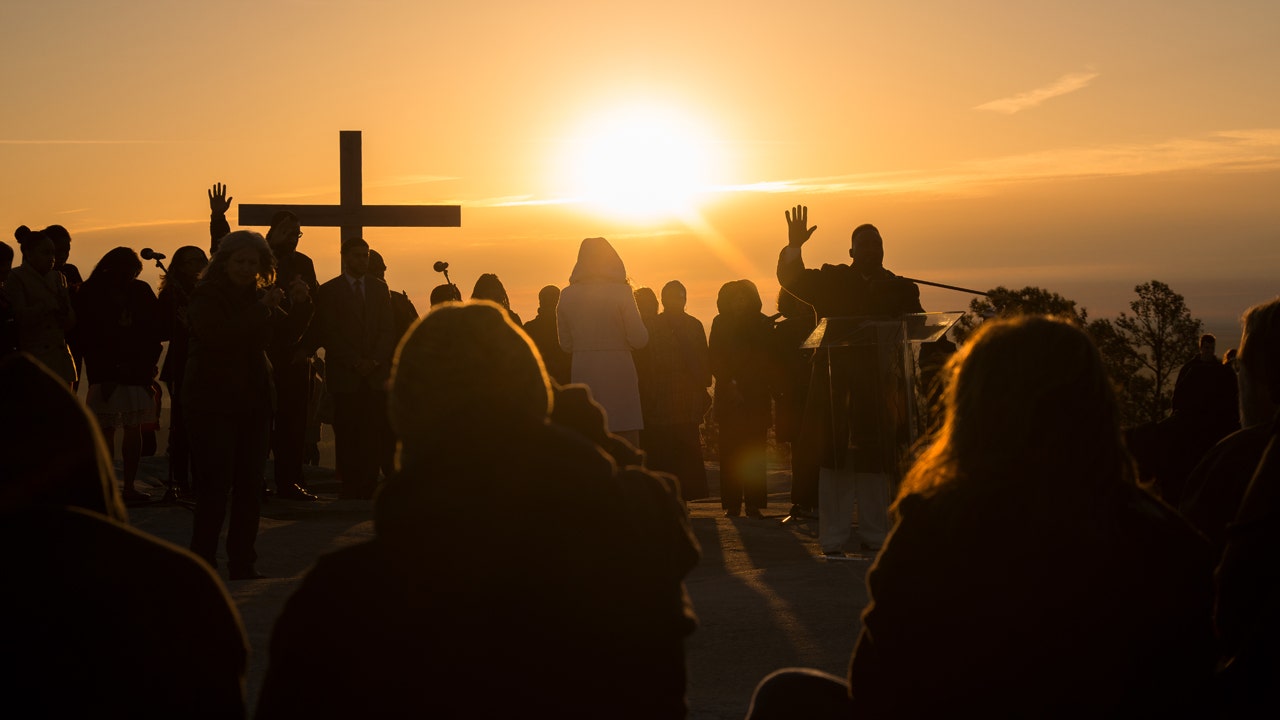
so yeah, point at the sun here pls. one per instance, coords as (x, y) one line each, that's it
(641, 163)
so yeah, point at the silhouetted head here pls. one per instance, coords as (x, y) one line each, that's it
(377, 266)
(646, 302)
(355, 257)
(1027, 402)
(187, 264)
(867, 248)
(6, 261)
(1208, 347)
(1258, 363)
(57, 457)
(464, 373)
(489, 287)
(37, 249)
(117, 267)
(445, 293)
(674, 297)
(548, 300)
(243, 258)
(598, 262)
(61, 244)
(284, 234)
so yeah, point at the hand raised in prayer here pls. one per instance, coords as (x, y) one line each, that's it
(797, 219)
(219, 203)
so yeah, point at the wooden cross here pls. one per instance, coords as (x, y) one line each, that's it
(351, 214)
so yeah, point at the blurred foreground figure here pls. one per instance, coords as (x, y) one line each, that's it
(99, 620)
(566, 600)
(1027, 573)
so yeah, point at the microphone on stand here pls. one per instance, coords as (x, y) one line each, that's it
(149, 254)
(443, 267)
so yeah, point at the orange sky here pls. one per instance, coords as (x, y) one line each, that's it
(1079, 146)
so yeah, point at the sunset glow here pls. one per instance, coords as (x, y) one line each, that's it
(640, 163)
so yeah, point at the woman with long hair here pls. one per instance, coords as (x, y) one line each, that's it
(1027, 573)
(41, 304)
(489, 287)
(119, 333)
(234, 316)
(599, 323)
(175, 293)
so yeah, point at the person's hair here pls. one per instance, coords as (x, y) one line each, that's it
(349, 243)
(1260, 345)
(6, 253)
(865, 229)
(445, 293)
(28, 238)
(180, 258)
(117, 267)
(1027, 404)
(58, 235)
(282, 215)
(646, 301)
(233, 243)
(548, 297)
(465, 370)
(598, 262)
(489, 287)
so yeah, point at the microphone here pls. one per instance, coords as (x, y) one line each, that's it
(149, 254)
(439, 267)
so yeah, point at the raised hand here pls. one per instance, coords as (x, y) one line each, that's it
(219, 203)
(797, 219)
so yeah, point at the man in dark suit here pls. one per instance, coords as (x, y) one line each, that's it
(355, 326)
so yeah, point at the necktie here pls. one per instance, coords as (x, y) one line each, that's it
(360, 296)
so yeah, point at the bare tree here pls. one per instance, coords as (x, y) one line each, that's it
(1161, 335)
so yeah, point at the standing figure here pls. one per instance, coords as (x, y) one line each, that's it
(290, 364)
(743, 364)
(848, 434)
(681, 373)
(403, 313)
(41, 304)
(175, 293)
(647, 303)
(600, 325)
(354, 325)
(235, 316)
(8, 324)
(489, 287)
(120, 333)
(796, 365)
(61, 253)
(542, 330)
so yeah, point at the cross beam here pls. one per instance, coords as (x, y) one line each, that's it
(351, 214)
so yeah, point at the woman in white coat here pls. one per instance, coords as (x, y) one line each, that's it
(600, 324)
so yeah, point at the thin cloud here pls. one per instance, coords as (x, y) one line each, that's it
(87, 142)
(1022, 101)
(1225, 151)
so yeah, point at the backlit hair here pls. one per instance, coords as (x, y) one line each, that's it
(1027, 402)
(233, 243)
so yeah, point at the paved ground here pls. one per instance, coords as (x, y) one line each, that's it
(764, 596)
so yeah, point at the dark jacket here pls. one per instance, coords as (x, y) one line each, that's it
(744, 364)
(347, 335)
(566, 602)
(101, 605)
(227, 367)
(544, 334)
(175, 328)
(119, 332)
(987, 608)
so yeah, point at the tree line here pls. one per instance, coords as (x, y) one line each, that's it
(1142, 349)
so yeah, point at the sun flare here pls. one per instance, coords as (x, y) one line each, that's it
(641, 163)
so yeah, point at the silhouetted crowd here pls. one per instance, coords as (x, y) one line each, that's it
(1032, 557)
